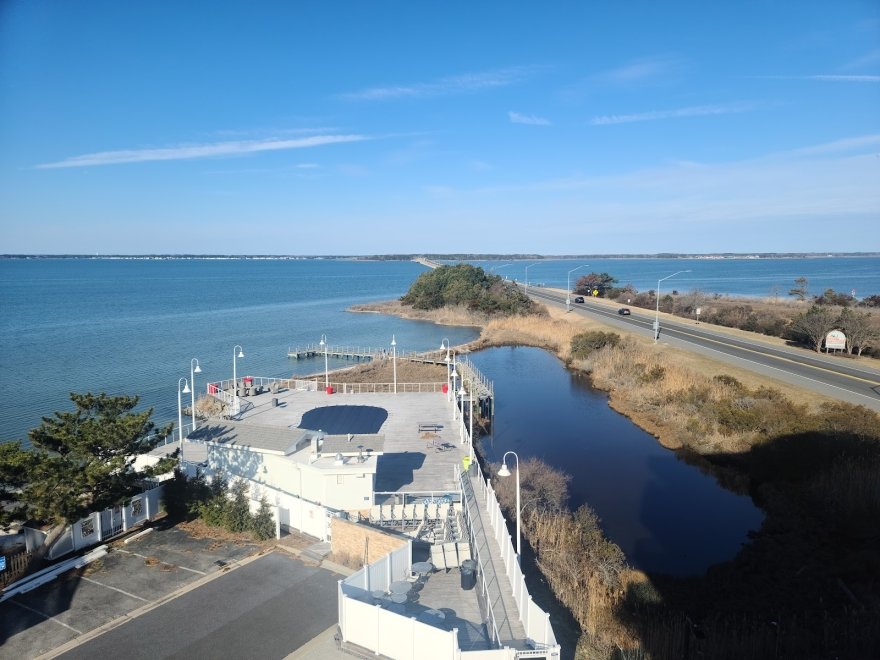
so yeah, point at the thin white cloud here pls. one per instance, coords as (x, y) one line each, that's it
(827, 77)
(470, 82)
(868, 59)
(647, 68)
(692, 111)
(844, 78)
(529, 120)
(838, 146)
(191, 152)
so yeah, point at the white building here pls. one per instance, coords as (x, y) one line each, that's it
(334, 471)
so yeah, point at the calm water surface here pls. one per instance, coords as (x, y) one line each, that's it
(666, 515)
(132, 326)
(759, 278)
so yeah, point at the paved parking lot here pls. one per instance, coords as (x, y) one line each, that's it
(130, 577)
(266, 608)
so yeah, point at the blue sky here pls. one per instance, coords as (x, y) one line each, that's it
(386, 127)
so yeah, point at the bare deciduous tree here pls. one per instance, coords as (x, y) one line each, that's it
(860, 330)
(815, 324)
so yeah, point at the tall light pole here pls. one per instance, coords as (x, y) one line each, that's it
(527, 273)
(454, 401)
(568, 290)
(504, 472)
(657, 313)
(180, 391)
(394, 360)
(194, 369)
(462, 392)
(445, 344)
(323, 343)
(235, 357)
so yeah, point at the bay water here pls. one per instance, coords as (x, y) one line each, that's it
(132, 326)
(666, 515)
(759, 278)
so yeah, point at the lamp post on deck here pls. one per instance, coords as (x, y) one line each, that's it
(185, 390)
(194, 369)
(462, 392)
(568, 291)
(235, 357)
(445, 344)
(323, 343)
(657, 313)
(454, 376)
(394, 360)
(504, 472)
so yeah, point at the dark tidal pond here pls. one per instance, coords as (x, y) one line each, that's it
(666, 515)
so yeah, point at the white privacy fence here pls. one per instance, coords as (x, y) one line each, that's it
(367, 624)
(103, 525)
(535, 620)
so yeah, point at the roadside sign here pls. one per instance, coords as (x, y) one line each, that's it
(835, 340)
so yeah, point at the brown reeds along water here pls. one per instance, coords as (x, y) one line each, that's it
(666, 515)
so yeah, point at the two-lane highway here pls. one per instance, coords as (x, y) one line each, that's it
(829, 375)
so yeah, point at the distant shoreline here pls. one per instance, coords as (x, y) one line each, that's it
(453, 257)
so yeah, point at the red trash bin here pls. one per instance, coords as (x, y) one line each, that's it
(445, 388)
(329, 390)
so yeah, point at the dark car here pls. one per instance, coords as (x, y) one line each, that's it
(623, 311)
(579, 299)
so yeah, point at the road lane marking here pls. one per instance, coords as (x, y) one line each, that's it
(129, 552)
(777, 357)
(729, 344)
(46, 616)
(107, 586)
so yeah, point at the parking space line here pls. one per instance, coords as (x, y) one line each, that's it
(129, 552)
(107, 586)
(46, 616)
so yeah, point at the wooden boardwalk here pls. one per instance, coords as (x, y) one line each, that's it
(484, 546)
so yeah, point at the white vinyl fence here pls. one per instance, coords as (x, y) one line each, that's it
(392, 635)
(101, 525)
(535, 620)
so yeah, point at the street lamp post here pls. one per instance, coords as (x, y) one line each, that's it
(194, 369)
(568, 290)
(504, 472)
(454, 376)
(394, 360)
(657, 313)
(462, 392)
(527, 273)
(445, 344)
(235, 377)
(323, 343)
(180, 391)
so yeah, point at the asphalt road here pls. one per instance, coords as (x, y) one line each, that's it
(264, 609)
(829, 375)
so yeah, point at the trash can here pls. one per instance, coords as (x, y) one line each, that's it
(275, 402)
(330, 390)
(468, 574)
(444, 388)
